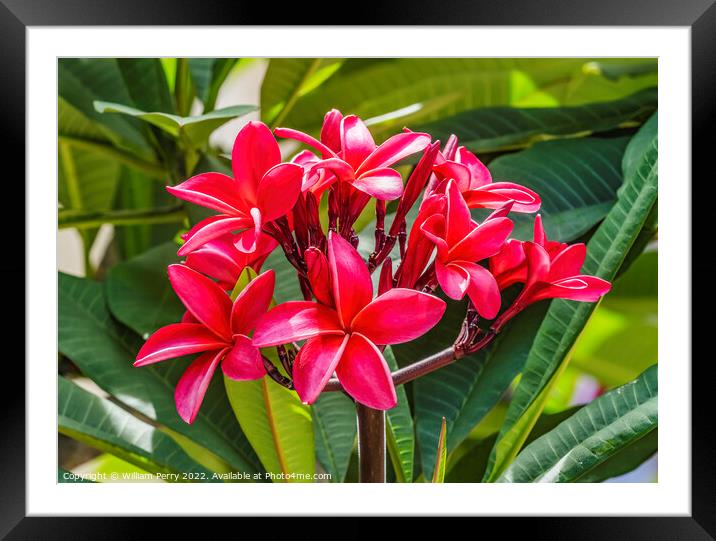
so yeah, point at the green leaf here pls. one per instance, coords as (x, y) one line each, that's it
(400, 435)
(208, 75)
(468, 462)
(104, 351)
(591, 436)
(464, 392)
(139, 293)
(398, 92)
(576, 179)
(136, 191)
(606, 251)
(81, 81)
(278, 426)
(334, 423)
(625, 460)
(101, 424)
(146, 83)
(441, 456)
(504, 128)
(194, 130)
(285, 80)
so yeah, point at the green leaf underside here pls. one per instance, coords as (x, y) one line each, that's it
(493, 129)
(400, 435)
(334, 424)
(278, 426)
(139, 293)
(196, 128)
(606, 251)
(104, 351)
(98, 422)
(591, 436)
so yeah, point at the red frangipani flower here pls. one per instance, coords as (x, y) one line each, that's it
(348, 151)
(342, 337)
(220, 259)
(475, 183)
(461, 242)
(217, 328)
(262, 190)
(549, 270)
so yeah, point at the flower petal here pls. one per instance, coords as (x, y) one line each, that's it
(482, 290)
(350, 279)
(394, 149)
(203, 297)
(568, 262)
(293, 321)
(301, 137)
(192, 386)
(243, 361)
(247, 240)
(479, 174)
(453, 280)
(338, 167)
(434, 229)
(387, 319)
(365, 375)
(384, 184)
(509, 266)
(319, 275)
(255, 151)
(331, 130)
(356, 141)
(315, 364)
(219, 259)
(212, 228)
(538, 265)
(459, 222)
(454, 171)
(525, 199)
(211, 190)
(577, 288)
(278, 190)
(483, 241)
(176, 340)
(252, 303)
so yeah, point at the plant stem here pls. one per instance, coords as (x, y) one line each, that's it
(371, 444)
(84, 220)
(411, 372)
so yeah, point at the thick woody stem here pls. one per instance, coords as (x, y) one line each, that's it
(371, 444)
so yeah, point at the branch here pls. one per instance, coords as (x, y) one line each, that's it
(414, 371)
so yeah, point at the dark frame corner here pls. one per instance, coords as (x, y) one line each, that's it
(700, 15)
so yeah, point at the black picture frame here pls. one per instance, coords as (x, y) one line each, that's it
(699, 15)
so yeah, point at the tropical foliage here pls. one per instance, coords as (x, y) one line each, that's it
(567, 392)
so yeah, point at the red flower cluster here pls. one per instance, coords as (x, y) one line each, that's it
(339, 328)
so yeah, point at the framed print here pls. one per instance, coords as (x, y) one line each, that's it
(418, 271)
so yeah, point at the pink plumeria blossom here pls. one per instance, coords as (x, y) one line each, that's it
(221, 260)
(461, 243)
(216, 328)
(262, 190)
(475, 183)
(348, 151)
(344, 330)
(549, 270)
